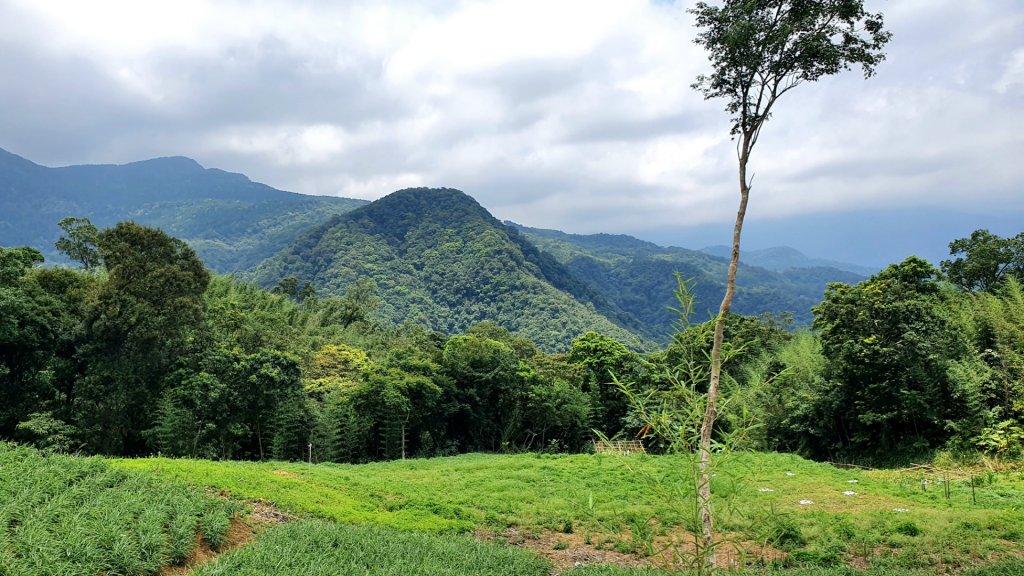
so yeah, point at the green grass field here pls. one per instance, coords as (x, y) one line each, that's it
(68, 516)
(893, 523)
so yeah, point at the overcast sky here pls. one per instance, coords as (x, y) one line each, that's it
(566, 114)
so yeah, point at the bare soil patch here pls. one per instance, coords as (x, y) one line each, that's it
(673, 550)
(262, 515)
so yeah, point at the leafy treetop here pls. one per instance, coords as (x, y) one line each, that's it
(984, 261)
(761, 49)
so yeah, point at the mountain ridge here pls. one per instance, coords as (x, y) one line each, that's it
(231, 221)
(781, 258)
(419, 245)
(640, 278)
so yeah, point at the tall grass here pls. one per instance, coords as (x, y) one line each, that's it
(69, 516)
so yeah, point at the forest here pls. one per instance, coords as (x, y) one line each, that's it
(139, 349)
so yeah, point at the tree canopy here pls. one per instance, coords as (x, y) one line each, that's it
(984, 261)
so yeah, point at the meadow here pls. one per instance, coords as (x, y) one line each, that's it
(779, 512)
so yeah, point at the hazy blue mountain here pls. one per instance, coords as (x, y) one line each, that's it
(231, 221)
(439, 258)
(639, 278)
(781, 258)
(869, 238)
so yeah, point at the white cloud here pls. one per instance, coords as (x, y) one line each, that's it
(575, 114)
(1013, 75)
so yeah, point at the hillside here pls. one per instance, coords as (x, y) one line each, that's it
(440, 259)
(232, 222)
(638, 278)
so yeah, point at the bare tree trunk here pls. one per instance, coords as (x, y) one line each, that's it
(711, 412)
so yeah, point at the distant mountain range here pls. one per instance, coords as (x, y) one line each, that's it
(872, 239)
(781, 258)
(437, 256)
(231, 221)
(639, 278)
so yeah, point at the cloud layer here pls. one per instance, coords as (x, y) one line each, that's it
(575, 114)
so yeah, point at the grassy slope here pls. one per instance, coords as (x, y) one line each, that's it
(596, 494)
(78, 516)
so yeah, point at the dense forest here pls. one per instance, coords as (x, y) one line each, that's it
(141, 349)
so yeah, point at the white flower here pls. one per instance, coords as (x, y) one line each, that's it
(765, 490)
(790, 473)
(852, 481)
(900, 510)
(806, 502)
(849, 493)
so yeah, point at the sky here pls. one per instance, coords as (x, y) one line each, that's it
(568, 114)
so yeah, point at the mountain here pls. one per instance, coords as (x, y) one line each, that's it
(638, 277)
(872, 238)
(781, 258)
(440, 259)
(231, 221)
(436, 255)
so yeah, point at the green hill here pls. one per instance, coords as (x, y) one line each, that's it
(231, 221)
(638, 278)
(440, 259)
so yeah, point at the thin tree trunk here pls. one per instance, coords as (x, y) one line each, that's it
(711, 412)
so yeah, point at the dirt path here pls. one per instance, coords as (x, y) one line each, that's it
(262, 515)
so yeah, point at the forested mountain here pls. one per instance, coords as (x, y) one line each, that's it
(439, 258)
(230, 221)
(638, 278)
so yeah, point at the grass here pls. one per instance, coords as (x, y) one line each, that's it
(893, 523)
(68, 516)
(318, 548)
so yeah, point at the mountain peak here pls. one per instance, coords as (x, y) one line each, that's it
(441, 259)
(401, 212)
(175, 163)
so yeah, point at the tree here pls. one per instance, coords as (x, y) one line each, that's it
(759, 51)
(137, 325)
(601, 357)
(358, 303)
(79, 241)
(488, 393)
(889, 345)
(984, 261)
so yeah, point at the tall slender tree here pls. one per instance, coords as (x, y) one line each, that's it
(759, 51)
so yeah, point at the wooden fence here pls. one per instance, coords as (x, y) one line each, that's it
(620, 447)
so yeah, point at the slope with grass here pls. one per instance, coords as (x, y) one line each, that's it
(886, 520)
(66, 516)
